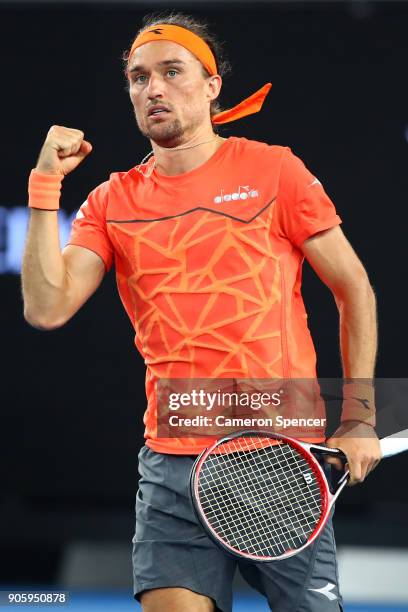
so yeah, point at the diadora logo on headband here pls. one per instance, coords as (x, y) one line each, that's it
(158, 31)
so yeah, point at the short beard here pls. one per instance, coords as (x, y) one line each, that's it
(168, 136)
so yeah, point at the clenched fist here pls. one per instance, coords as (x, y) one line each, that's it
(63, 150)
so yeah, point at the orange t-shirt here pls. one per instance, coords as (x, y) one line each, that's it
(208, 266)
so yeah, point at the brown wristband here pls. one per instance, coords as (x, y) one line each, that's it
(359, 402)
(44, 190)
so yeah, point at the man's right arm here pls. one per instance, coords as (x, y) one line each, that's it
(56, 284)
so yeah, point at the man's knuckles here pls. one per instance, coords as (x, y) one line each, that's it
(65, 146)
(60, 129)
(64, 138)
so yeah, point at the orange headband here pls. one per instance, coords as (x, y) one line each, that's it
(198, 47)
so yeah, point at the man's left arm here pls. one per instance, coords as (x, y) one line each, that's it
(337, 265)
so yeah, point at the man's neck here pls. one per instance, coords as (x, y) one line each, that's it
(188, 155)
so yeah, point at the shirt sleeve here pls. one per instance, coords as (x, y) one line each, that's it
(304, 207)
(89, 226)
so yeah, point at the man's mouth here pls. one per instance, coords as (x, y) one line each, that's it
(155, 111)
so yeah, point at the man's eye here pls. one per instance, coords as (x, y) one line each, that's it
(172, 73)
(140, 78)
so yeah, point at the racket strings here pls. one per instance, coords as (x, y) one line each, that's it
(264, 500)
(252, 486)
(260, 533)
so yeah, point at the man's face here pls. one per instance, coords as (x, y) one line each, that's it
(169, 92)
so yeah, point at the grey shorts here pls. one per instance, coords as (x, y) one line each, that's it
(171, 549)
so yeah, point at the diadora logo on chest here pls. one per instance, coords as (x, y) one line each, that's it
(243, 193)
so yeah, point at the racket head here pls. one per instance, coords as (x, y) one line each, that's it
(232, 525)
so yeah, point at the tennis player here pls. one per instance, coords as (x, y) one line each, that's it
(207, 237)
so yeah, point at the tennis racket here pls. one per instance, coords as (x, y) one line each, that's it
(264, 496)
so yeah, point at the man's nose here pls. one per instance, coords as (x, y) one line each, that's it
(155, 87)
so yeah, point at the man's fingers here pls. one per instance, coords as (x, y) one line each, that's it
(356, 474)
(335, 461)
(75, 148)
(359, 470)
(85, 149)
(368, 466)
(356, 470)
(63, 149)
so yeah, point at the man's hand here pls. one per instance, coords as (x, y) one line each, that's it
(360, 444)
(63, 150)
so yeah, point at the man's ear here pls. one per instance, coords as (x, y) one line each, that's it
(214, 84)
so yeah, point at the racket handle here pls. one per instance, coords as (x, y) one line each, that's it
(394, 444)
